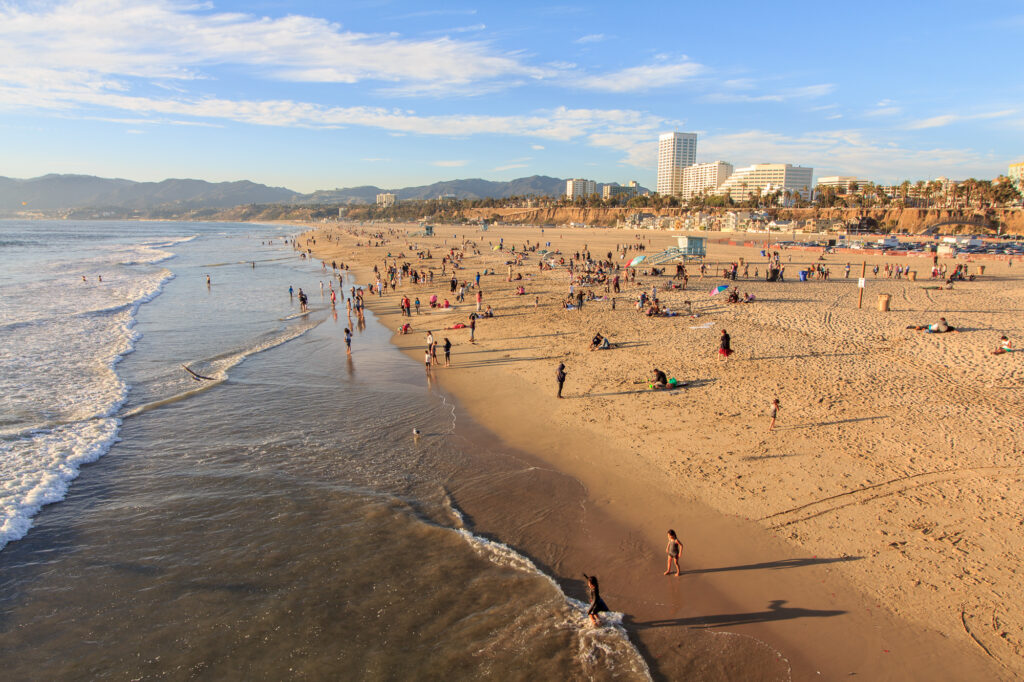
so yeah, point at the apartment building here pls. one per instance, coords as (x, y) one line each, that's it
(765, 178)
(616, 190)
(676, 151)
(578, 187)
(385, 199)
(702, 177)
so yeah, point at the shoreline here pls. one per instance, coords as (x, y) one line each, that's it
(616, 477)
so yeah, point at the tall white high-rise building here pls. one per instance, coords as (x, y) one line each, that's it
(764, 178)
(704, 176)
(578, 187)
(676, 151)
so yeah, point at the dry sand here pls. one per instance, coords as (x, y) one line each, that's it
(876, 531)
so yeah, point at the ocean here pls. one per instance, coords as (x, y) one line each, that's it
(277, 521)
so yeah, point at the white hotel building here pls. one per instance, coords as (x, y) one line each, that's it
(578, 187)
(676, 151)
(764, 178)
(704, 176)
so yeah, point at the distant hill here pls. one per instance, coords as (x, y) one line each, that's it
(474, 188)
(62, 192)
(55, 192)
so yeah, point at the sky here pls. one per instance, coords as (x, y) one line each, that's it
(319, 95)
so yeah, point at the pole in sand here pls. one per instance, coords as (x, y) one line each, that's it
(860, 292)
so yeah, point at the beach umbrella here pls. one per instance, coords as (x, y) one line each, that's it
(719, 289)
(636, 261)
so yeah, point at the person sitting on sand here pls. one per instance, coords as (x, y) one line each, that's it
(1005, 346)
(488, 312)
(940, 327)
(595, 343)
(660, 380)
(405, 328)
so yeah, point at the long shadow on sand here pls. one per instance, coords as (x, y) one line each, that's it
(834, 423)
(775, 565)
(696, 383)
(775, 611)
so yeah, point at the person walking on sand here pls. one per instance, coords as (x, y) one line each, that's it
(724, 346)
(673, 550)
(560, 377)
(773, 412)
(597, 604)
(472, 328)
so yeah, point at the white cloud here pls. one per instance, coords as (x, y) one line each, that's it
(172, 40)
(847, 152)
(592, 38)
(947, 119)
(537, 146)
(509, 166)
(647, 77)
(449, 164)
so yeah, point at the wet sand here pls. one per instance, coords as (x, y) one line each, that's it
(823, 590)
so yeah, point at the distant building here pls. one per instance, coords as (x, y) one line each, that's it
(704, 176)
(676, 151)
(765, 178)
(841, 183)
(1016, 175)
(385, 199)
(578, 187)
(615, 190)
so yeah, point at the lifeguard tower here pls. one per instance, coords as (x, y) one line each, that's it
(693, 247)
(425, 231)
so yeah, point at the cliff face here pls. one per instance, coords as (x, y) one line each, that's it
(911, 220)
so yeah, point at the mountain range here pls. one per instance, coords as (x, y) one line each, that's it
(59, 192)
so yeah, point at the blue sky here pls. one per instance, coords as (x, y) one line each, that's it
(313, 95)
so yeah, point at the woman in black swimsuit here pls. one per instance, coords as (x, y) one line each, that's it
(597, 604)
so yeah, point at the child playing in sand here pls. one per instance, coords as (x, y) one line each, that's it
(674, 549)
(1005, 346)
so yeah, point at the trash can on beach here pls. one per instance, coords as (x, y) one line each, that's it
(883, 302)
(803, 275)
(981, 269)
(913, 275)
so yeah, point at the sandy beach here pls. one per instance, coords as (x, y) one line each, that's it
(875, 531)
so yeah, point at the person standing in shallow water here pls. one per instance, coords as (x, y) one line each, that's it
(674, 549)
(597, 604)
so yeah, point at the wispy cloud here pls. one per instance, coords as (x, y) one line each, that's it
(592, 38)
(847, 152)
(661, 74)
(948, 119)
(449, 164)
(803, 92)
(375, 160)
(537, 146)
(509, 166)
(459, 29)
